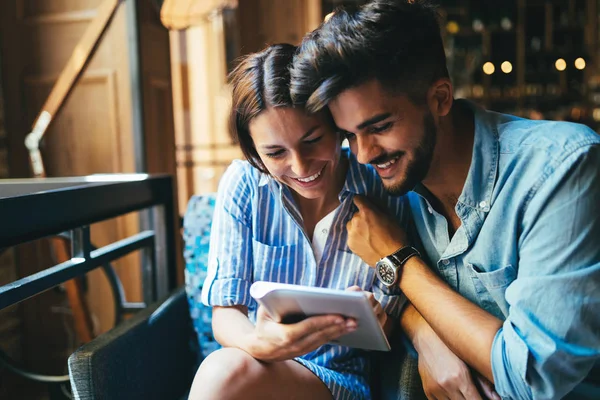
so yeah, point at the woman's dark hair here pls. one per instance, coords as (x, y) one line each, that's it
(260, 80)
(397, 42)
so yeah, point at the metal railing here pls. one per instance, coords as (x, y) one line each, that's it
(32, 209)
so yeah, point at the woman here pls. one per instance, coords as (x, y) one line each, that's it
(281, 216)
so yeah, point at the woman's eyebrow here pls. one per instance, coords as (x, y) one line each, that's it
(309, 132)
(276, 146)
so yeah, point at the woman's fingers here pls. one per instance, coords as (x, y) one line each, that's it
(315, 334)
(327, 326)
(290, 340)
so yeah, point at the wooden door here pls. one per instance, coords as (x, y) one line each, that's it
(117, 119)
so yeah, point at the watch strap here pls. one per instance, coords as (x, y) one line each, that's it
(402, 255)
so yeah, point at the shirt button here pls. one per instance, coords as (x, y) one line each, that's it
(324, 231)
(430, 210)
(445, 262)
(483, 204)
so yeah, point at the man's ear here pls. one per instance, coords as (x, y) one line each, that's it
(439, 97)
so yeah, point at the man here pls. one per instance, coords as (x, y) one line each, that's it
(506, 209)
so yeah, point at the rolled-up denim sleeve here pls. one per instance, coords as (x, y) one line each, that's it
(230, 266)
(551, 338)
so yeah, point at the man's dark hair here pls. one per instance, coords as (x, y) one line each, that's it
(397, 42)
(260, 80)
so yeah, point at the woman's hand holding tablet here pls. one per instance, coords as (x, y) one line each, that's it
(287, 303)
(275, 341)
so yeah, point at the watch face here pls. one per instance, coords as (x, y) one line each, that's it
(386, 273)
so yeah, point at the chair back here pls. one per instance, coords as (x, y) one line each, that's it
(149, 356)
(197, 222)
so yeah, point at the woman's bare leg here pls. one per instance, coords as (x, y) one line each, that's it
(230, 373)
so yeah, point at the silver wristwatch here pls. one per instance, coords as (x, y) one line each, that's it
(388, 268)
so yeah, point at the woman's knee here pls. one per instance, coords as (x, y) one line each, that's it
(224, 373)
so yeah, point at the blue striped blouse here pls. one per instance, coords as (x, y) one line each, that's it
(257, 235)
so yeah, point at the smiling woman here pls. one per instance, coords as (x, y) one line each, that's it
(298, 149)
(307, 163)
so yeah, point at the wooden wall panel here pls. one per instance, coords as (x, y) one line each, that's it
(81, 140)
(39, 8)
(159, 128)
(156, 91)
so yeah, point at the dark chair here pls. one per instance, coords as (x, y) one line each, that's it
(152, 355)
(155, 354)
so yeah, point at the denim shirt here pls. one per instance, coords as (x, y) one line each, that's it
(528, 248)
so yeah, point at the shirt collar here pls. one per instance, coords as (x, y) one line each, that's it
(478, 189)
(264, 179)
(359, 176)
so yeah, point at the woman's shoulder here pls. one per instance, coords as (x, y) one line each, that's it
(240, 185)
(238, 189)
(240, 175)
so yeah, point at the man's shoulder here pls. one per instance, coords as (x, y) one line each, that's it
(529, 152)
(532, 153)
(552, 140)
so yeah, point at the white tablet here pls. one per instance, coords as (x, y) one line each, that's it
(291, 303)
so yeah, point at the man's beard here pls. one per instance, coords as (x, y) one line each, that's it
(417, 170)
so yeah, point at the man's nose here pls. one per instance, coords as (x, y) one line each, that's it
(366, 149)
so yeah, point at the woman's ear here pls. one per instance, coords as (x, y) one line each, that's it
(440, 98)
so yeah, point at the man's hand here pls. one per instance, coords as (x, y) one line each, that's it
(486, 388)
(273, 341)
(372, 234)
(445, 376)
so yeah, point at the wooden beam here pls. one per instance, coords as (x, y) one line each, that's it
(314, 15)
(181, 14)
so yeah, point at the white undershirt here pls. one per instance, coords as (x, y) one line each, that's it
(321, 233)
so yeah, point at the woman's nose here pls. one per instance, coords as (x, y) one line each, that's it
(300, 165)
